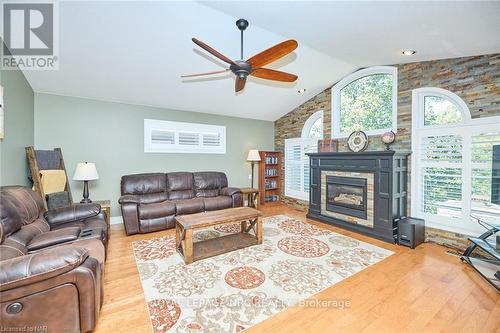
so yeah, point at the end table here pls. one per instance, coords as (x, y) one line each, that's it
(252, 195)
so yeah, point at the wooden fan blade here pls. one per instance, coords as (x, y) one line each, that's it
(213, 51)
(271, 74)
(273, 53)
(208, 73)
(239, 84)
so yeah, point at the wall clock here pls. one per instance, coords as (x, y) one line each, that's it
(357, 141)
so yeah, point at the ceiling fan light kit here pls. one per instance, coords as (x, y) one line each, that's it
(254, 65)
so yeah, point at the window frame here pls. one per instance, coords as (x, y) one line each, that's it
(335, 100)
(467, 129)
(183, 127)
(309, 124)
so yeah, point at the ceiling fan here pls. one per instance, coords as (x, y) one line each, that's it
(254, 65)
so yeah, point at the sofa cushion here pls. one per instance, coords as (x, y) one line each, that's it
(189, 206)
(11, 249)
(155, 210)
(53, 238)
(144, 183)
(216, 203)
(143, 198)
(160, 223)
(208, 184)
(19, 206)
(28, 232)
(180, 185)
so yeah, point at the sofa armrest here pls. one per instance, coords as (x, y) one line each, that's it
(72, 213)
(130, 216)
(39, 266)
(229, 191)
(235, 194)
(128, 198)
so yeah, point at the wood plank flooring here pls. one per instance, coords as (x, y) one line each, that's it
(421, 290)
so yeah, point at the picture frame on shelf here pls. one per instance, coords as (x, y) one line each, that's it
(328, 146)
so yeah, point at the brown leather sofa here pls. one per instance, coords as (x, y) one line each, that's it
(51, 264)
(150, 201)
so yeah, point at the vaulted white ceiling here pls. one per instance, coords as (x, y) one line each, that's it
(135, 52)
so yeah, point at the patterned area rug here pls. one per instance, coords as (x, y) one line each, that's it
(234, 291)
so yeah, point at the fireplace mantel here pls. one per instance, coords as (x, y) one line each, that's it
(388, 172)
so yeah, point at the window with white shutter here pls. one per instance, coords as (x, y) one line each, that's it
(297, 171)
(297, 166)
(452, 162)
(178, 137)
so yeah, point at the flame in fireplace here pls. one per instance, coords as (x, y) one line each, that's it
(350, 199)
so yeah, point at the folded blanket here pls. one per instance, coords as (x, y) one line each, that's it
(53, 180)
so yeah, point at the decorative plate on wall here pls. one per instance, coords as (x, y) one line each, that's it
(357, 141)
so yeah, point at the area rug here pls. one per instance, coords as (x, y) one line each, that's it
(233, 291)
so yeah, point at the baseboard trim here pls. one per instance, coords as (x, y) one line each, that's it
(116, 220)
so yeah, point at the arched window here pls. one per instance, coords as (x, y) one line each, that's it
(296, 160)
(365, 100)
(453, 162)
(313, 127)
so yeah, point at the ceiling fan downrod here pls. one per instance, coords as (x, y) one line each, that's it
(242, 24)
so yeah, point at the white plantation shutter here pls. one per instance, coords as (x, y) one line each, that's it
(297, 166)
(189, 138)
(441, 175)
(163, 137)
(178, 137)
(211, 139)
(483, 187)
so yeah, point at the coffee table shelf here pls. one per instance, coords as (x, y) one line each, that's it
(215, 246)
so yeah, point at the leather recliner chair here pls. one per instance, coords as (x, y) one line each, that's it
(51, 263)
(150, 201)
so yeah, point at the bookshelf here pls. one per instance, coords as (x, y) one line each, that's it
(270, 177)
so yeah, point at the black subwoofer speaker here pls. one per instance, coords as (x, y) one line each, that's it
(411, 231)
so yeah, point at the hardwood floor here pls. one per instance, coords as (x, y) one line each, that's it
(421, 290)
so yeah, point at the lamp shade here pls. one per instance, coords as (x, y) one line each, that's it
(253, 155)
(85, 171)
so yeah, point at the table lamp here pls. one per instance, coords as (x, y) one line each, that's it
(253, 156)
(85, 171)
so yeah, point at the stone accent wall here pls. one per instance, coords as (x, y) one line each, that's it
(474, 79)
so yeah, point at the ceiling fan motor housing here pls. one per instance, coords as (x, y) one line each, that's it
(242, 70)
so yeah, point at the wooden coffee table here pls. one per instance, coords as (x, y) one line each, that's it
(249, 218)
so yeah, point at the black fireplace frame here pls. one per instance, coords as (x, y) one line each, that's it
(345, 210)
(390, 172)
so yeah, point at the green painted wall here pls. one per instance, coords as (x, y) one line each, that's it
(18, 125)
(112, 135)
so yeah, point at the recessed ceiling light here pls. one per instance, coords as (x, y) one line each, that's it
(301, 90)
(408, 52)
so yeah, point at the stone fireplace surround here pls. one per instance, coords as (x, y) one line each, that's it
(386, 173)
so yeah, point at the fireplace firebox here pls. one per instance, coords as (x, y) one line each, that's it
(347, 195)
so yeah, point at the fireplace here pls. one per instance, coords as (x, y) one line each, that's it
(365, 192)
(347, 195)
